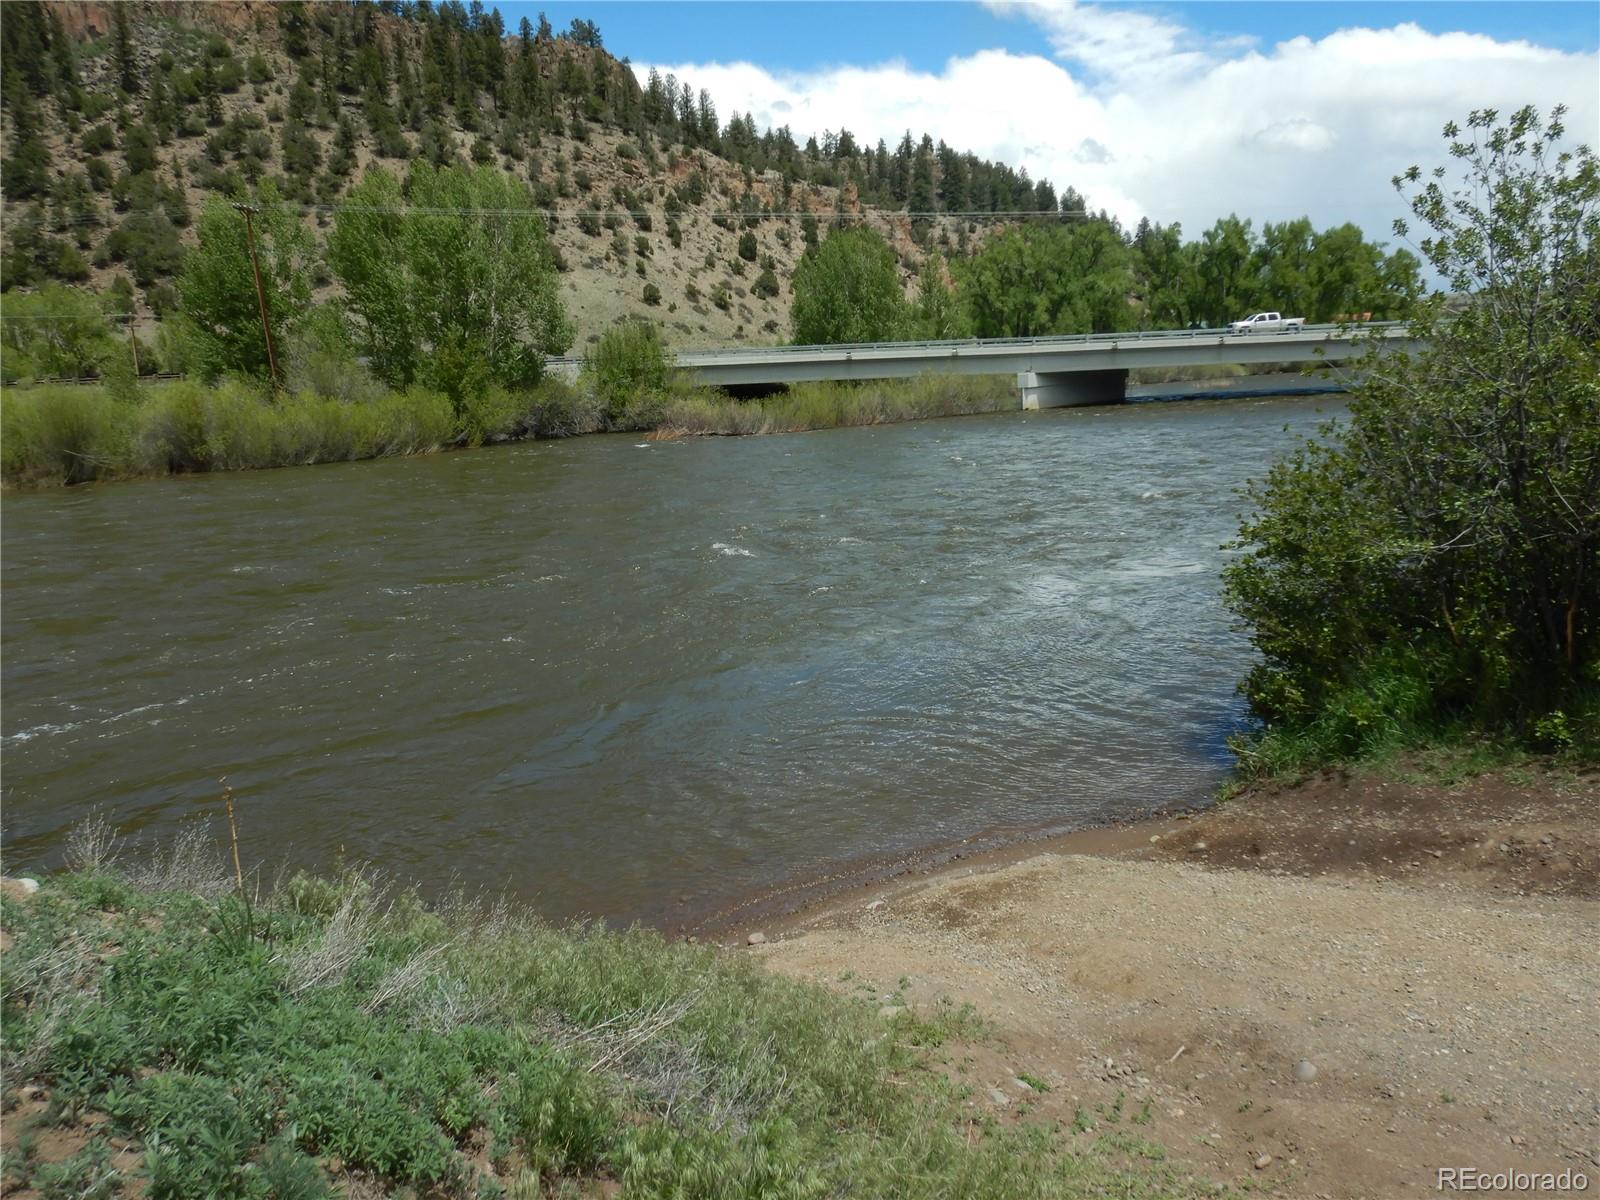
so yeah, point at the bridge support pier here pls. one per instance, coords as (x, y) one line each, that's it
(1066, 389)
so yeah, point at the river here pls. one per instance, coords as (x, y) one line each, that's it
(640, 680)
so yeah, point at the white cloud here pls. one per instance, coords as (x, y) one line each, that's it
(1297, 133)
(1146, 118)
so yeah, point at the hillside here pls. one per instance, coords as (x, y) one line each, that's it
(122, 119)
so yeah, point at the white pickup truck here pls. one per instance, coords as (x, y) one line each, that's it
(1267, 322)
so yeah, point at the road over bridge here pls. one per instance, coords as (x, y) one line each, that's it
(1052, 372)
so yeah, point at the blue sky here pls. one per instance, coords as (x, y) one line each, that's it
(807, 34)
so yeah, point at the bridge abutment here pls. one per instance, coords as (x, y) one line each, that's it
(1068, 389)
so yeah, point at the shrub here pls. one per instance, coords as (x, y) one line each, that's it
(1430, 560)
(652, 294)
(59, 434)
(627, 366)
(557, 409)
(488, 414)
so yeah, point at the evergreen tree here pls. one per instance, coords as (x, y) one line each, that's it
(122, 49)
(26, 170)
(900, 172)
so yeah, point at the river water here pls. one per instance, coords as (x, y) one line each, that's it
(636, 680)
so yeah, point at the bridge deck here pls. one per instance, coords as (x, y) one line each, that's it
(1054, 355)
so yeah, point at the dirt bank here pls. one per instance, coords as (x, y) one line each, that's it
(1429, 950)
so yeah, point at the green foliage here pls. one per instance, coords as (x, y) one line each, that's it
(848, 291)
(217, 286)
(450, 280)
(353, 1023)
(56, 331)
(628, 369)
(59, 434)
(65, 435)
(938, 313)
(766, 284)
(810, 406)
(1040, 279)
(1431, 561)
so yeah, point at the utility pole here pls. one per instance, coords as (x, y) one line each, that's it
(133, 341)
(261, 295)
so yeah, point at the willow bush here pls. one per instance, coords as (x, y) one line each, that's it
(1433, 561)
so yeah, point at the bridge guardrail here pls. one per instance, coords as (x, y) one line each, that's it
(691, 357)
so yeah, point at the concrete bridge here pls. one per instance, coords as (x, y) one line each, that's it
(1052, 372)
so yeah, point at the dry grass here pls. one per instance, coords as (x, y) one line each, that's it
(191, 862)
(93, 845)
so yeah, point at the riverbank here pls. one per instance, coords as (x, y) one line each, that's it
(171, 1032)
(1425, 947)
(63, 435)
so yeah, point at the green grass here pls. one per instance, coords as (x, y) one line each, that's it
(1389, 720)
(1208, 372)
(809, 406)
(266, 1049)
(54, 435)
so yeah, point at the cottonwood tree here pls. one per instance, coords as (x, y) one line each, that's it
(57, 331)
(938, 309)
(848, 291)
(217, 291)
(1436, 556)
(450, 280)
(1042, 279)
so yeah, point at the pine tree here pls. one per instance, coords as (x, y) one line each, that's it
(24, 37)
(26, 172)
(122, 50)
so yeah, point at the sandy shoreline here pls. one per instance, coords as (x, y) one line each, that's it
(1428, 949)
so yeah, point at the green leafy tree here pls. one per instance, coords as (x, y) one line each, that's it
(1224, 267)
(849, 291)
(1165, 276)
(939, 314)
(1436, 556)
(1340, 277)
(628, 370)
(1041, 279)
(217, 286)
(56, 331)
(449, 280)
(1284, 255)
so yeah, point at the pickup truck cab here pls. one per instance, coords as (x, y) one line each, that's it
(1267, 322)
